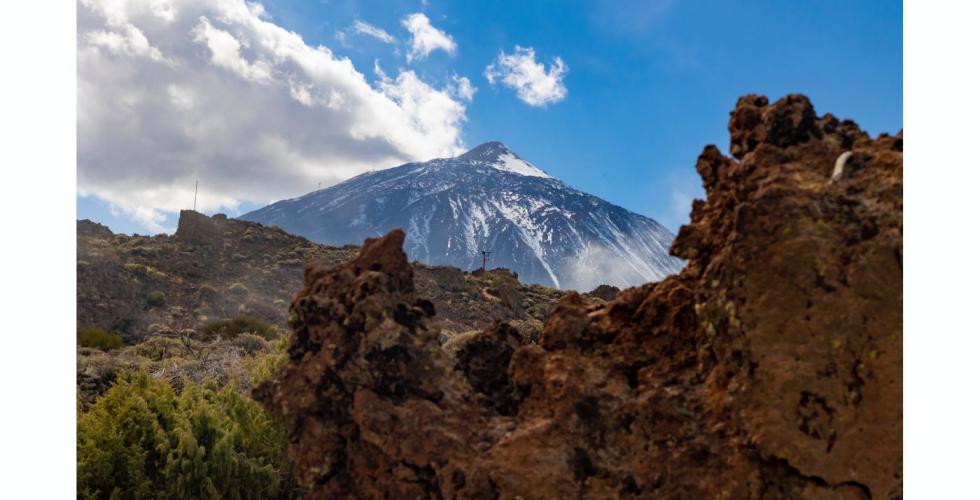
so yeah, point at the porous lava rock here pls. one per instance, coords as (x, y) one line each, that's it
(770, 367)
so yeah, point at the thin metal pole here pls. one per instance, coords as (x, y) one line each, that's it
(195, 195)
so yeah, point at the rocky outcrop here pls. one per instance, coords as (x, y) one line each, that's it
(195, 228)
(605, 292)
(769, 368)
(91, 229)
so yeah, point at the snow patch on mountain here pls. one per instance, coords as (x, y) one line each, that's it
(509, 162)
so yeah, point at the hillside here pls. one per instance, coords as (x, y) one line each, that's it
(166, 295)
(452, 209)
(218, 268)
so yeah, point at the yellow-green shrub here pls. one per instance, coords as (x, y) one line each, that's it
(231, 328)
(98, 338)
(143, 440)
(156, 299)
(265, 366)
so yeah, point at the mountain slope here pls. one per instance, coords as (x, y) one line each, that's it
(217, 268)
(487, 199)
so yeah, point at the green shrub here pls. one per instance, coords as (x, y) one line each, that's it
(250, 343)
(98, 338)
(206, 292)
(158, 348)
(266, 365)
(146, 271)
(231, 328)
(156, 299)
(143, 440)
(238, 289)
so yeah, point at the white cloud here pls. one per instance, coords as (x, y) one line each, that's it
(125, 39)
(226, 52)
(425, 37)
(372, 31)
(174, 91)
(521, 72)
(464, 89)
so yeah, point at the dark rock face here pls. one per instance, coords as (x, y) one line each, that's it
(198, 229)
(605, 292)
(769, 368)
(89, 228)
(484, 361)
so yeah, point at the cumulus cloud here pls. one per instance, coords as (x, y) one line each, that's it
(372, 31)
(127, 40)
(171, 91)
(464, 89)
(521, 72)
(425, 37)
(226, 53)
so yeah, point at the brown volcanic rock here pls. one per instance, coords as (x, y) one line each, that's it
(769, 368)
(380, 398)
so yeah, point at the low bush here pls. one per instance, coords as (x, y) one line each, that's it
(231, 328)
(146, 271)
(158, 348)
(98, 338)
(207, 292)
(266, 365)
(238, 289)
(250, 343)
(144, 440)
(156, 299)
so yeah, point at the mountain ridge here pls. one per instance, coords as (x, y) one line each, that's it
(489, 198)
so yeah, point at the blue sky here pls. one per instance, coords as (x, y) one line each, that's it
(648, 84)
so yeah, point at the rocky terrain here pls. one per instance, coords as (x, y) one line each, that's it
(770, 367)
(159, 293)
(217, 268)
(212, 268)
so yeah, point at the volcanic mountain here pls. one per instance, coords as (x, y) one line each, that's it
(453, 209)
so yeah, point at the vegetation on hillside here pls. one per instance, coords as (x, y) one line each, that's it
(143, 439)
(172, 418)
(175, 331)
(97, 338)
(235, 327)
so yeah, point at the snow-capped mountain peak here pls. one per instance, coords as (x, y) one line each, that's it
(487, 199)
(499, 156)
